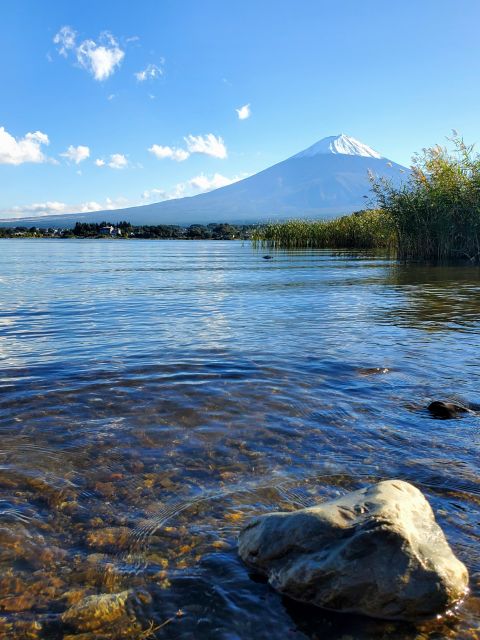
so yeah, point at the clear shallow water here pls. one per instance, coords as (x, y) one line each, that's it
(154, 395)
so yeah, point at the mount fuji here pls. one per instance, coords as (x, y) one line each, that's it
(328, 179)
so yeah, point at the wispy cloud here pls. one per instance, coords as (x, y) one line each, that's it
(65, 40)
(174, 153)
(37, 208)
(198, 184)
(76, 154)
(151, 72)
(204, 183)
(100, 58)
(244, 112)
(54, 207)
(26, 149)
(117, 161)
(208, 144)
(155, 194)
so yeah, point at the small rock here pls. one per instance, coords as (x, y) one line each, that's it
(19, 544)
(74, 596)
(94, 612)
(446, 410)
(109, 538)
(373, 371)
(20, 629)
(267, 257)
(376, 552)
(105, 489)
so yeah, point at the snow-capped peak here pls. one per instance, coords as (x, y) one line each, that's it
(341, 144)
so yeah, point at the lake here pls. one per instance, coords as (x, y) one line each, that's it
(156, 394)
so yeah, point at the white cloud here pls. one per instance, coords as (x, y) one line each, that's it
(26, 149)
(118, 161)
(110, 204)
(158, 194)
(151, 72)
(99, 59)
(204, 183)
(39, 208)
(65, 39)
(194, 186)
(197, 184)
(56, 208)
(76, 154)
(244, 112)
(174, 153)
(208, 144)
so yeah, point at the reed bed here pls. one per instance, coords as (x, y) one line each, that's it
(364, 230)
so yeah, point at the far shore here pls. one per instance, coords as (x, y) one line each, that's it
(127, 231)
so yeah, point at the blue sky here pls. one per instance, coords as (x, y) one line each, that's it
(138, 100)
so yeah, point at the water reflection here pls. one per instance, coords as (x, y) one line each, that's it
(438, 298)
(154, 395)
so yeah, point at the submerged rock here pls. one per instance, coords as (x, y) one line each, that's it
(442, 409)
(109, 538)
(372, 371)
(95, 612)
(376, 552)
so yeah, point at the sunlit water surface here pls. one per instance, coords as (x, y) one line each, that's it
(156, 394)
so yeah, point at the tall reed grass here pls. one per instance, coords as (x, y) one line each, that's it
(436, 213)
(364, 230)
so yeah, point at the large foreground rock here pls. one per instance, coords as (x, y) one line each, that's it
(377, 552)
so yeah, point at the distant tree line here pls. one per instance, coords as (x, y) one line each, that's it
(124, 229)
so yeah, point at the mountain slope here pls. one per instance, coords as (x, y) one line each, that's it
(329, 178)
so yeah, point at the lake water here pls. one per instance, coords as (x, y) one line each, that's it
(156, 394)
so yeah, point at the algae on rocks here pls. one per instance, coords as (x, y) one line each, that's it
(97, 611)
(377, 552)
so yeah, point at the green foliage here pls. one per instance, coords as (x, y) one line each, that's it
(436, 213)
(124, 230)
(198, 232)
(363, 230)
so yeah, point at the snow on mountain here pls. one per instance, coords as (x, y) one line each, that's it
(339, 144)
(328, 179)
